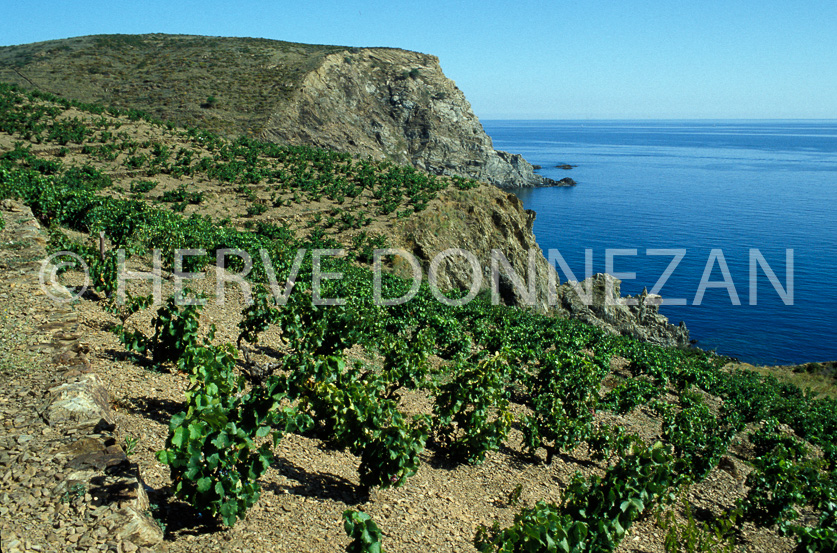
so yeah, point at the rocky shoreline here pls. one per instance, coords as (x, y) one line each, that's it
(634, 316)
(495, 220)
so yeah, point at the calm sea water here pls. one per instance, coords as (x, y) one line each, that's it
(700, 186)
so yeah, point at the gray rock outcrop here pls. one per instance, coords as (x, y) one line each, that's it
(398, 105)
(381, 102)
(67, 483)
(489, 220)
(637, 316)
(81, 399)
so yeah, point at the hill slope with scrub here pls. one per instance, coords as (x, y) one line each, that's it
(285, 425)
(386, 103)
(351, 201)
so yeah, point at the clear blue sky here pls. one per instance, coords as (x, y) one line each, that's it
(559, 59)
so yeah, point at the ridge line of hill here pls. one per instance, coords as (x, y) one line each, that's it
(382, 102)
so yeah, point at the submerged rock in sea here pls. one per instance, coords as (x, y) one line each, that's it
(634, 316)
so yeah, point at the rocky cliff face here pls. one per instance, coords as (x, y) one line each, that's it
(380, 102)
(480, 221)
(399, 105)
(487, 219)
(638, 316)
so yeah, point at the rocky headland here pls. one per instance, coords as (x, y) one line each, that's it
(381, 102)
(495, 220)
(399, 104)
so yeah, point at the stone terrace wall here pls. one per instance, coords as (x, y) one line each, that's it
(67, 485)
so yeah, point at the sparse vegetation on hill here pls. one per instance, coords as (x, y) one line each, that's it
(402, 388)
(379, 102)
(327, 193)
(246, 77)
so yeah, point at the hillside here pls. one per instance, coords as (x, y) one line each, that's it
(354, 202)
(385, 103)
(139, 427)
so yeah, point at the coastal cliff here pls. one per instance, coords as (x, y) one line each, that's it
(381, 103)
(398, 104)
(487, 219)
(385, 103)
(479, 221)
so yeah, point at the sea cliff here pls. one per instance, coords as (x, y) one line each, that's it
(386, 104)
(381, 102)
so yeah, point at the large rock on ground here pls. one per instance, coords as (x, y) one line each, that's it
(81, 401)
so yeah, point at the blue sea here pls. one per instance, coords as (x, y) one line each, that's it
(720, 190)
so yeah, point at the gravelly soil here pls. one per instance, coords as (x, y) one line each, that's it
(307, 489)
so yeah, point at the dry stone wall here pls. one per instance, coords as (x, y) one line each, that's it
(66, 483)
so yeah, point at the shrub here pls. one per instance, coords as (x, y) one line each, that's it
(352, 414)
(781, 483)
(182, 195)
(699, 438)
(542, 528)
(595, 514)
(175, 332)
(211, 449)
(256, 209)
(822, 537)
(366, 537)
(691, 536)
(405, 361)
(142, 186)
(472, 410)
(630, 394)
(564, 401)
(69, 130)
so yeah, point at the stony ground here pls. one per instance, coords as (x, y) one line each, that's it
(304, 493)
(43, 505)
